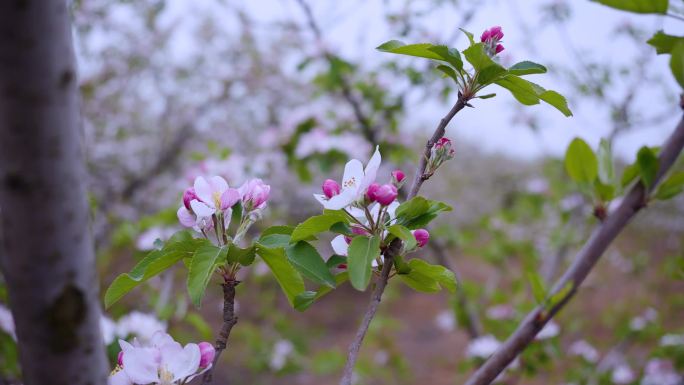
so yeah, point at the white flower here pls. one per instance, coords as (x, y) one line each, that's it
(583, 349)
(355, 182)
(446, 321)
(140, 325)
(660, 372)
(482, 347)
(281, 350)
(672, 340)
(146, 240)
(108, 329)
(622, 374)
(7, 322)
(500, 312)
(339, 243)
(549, 331)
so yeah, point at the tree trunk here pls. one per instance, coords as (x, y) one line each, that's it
(48, 259)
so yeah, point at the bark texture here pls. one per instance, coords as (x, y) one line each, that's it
(47, 257)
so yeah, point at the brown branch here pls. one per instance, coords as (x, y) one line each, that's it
(229, 320)
(473, 325)
(367, 128)
(395, 246)
(601, 238)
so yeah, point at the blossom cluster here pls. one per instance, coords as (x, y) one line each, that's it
(163, 361)
(491, 39)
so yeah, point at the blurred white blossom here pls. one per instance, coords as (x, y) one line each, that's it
(7, 321)
(500, 312)
(446, 321)
(482, 347)
(549, 331)
(672, 340)
(585, 350)
(281, 350)
(622, 374)
(660, 372)
(140, 325)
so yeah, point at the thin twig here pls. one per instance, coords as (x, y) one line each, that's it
(395, 246)
(229, 320)
(601, 238)
(473, 325)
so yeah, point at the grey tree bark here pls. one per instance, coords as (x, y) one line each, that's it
(48, 259)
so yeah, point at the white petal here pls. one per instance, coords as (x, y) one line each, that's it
(140, 364)
(339, 245)
(119, 378)
(375, 210)
(182, 362)
(341, 200)
(353, 174)
(185, 217)
(357, 213)
(392, 209)
(203, 190)
(371, 171)
(201, 209)
(321, 198)
(160, 338)
(218, 184)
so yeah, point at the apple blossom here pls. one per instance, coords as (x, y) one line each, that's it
(330, 188)
(254, 194)
(440, 153)
(386, 194)
(371, 192)
(398, 177)
(188, 196)
(355, 183)
(491, 38)
(211, 196)
(207, 353)
(422, 237)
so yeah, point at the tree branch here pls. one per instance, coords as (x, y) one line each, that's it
(229, 320)
(601, 238)
(395, 246)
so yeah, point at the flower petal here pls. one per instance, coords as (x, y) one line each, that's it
(339, 245)
(371, 171)
(201, 209)
(229, 197)
(342, 200)
(140, 364)
(218, 184)
(392, 209)
(353, 175)
(321, 198)
(119, 378)
(203, 191)
(181, 362)
(185, 217)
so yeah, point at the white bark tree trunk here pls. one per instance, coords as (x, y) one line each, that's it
(48, 259)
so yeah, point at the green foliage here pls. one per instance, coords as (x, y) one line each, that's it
(405, 235)
(285, 274)
(418, 212)
(580, 162)
(318, 224)
(637, 6)
(664, 43)
(606, 168)
(539, 290)
(244, 257)
(526, 68)
(181, 245)
(309, 263)
(204, 262)
(305, 299)
(648, 166)
(671, 187)
(428, 278)
(362, 252)
(529, 93)
(478, 58)
(677, 62)
(424, 50)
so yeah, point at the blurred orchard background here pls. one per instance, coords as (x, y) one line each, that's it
(289, 90)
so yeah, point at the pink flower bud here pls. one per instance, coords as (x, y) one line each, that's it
(442, 142)
(119, 358)
(371, 192)
(188, 196)
(499, 48)
(398, 176)
(386, 194)
(330, 188)
(207, 353)
(485, 36)
(422, 237)
(254, 194)
(496, 33)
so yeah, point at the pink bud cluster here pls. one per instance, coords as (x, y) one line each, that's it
(383, 194)
(422, 237)
(491, 38)
(441, 152)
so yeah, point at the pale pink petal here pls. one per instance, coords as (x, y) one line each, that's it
(119, 378)
(182, 362)
(161, 338)
(140, 364)
(185, 217)
(342, 200)
(353, 175)
(320, 198)
(203, 191)
(339, 245)
(229, 197)
(371, 171)
(226, 218)
(218, 184)
(201, 209)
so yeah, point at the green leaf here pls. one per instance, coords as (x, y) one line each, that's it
(637, 6)
(490, 74)
(318, 224)
(477, 57)
(449, 55)
(677, 63)
(557, 100)
(341, 228)
(244, 257)
(412, 208)
(470, 36)
(405, 235)
(630, 173)
(362, 252)
(275, 240)
(335, 260)
(204, 263)
(304, 300)
(580, 162)
(279, 229)
(434, 209)
(428, 278)
(606, 168)
(664, 43)
(648, 166)
(671, 187)
(448, 71)
(424, 50)
(235, 217)
(521, 89)
(560, 295)
(309, 263)
(604, 192)
(287, 276)
(486, 96)
(180, 246)
(538, 287)
(526, 68)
